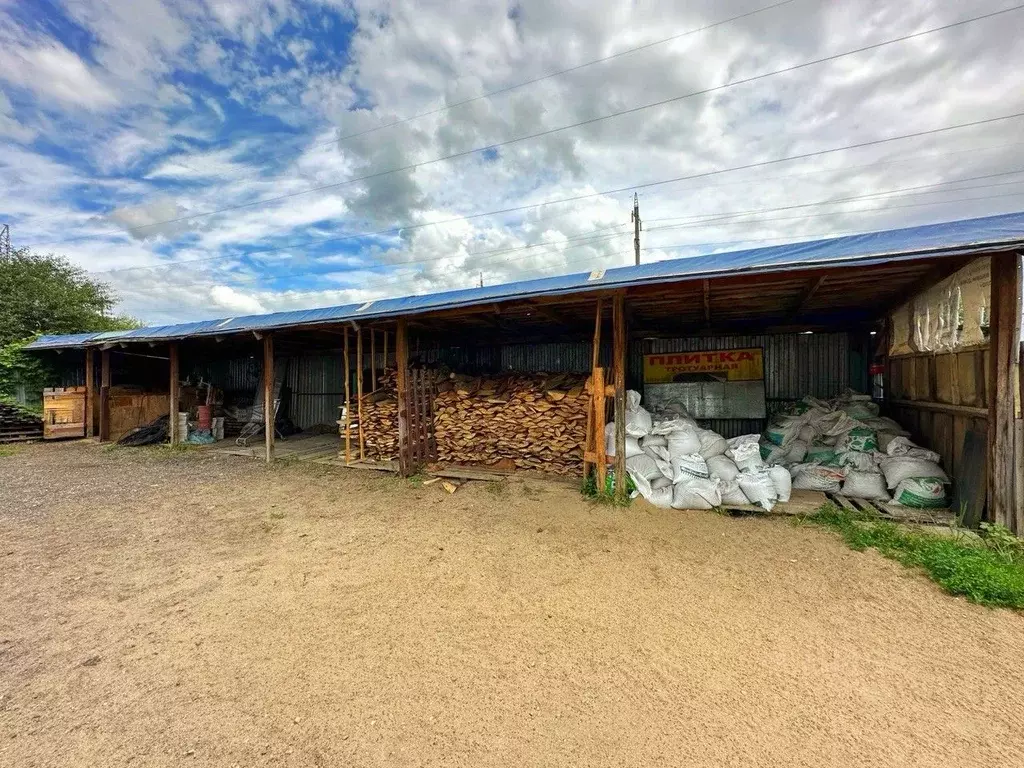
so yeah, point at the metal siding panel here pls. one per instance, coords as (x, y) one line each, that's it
(317, 388)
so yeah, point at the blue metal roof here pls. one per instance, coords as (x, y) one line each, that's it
(946, 239)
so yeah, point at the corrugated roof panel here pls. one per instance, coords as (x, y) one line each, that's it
(946, 239)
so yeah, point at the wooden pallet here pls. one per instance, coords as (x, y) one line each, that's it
(808, 502)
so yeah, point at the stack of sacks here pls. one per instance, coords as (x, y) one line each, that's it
(676, 463)
(843, 445)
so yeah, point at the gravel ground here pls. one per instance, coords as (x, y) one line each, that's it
(175, 609)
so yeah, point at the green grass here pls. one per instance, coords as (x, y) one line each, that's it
(606, 495)
(7, 450)
(988, 571)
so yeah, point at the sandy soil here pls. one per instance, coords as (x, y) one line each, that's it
(162, 609)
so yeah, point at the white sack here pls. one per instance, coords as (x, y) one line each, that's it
(782, 481)
(746, 455)
(688, 467)
(784, 429)
(921, 492)
(885, 424)
(758, 488)
(838, 423)
(899, 468)
(732, 494)
(644, 466)
(796, 452)
(672, 425)
(859, 460)
(696, 493)
(723, 468)
(711, 443)
(772, 454)
(661, 482)
(735, 442)
(904, 446)
(683, 442)
(659, 497)
(632, 444)
(865, 485)
(638, 420)
(811, 477)
(808, 434)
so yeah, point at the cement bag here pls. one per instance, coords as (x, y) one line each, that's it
(861, 409)
(899, 468)
(859, 439)
(885, 424)
(683, 442)
(669, 426)
(711, 443)
(813, 477)
(772, 454)
(638, 420)
(662, 459)
(838, 423)
(732, 494)
(723, 468)
(632, 444)
(649, 442)
(758, 488)
(696, 493)
(782, 481)
(689, 467)
(865, 485)
(747, 456)
(921, 492)
(784, 429)
(902, 446)
(659, 497)
(819, 453)
(808, 434)
(796, 452)
(661, 482)
(863, 462)
(643, 466)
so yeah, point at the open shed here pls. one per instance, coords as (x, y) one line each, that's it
(880, 312)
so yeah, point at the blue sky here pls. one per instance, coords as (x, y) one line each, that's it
(210, 157)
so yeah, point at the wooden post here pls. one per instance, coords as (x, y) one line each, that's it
(348, 402)
(595, 359)
(373, 360)
(269, 414)
(402, 366)
(104, 395)
(385, 350)
(1004, 344)
(598, 420)
(359, 390)
(173, 394)
(90, 392)
(619, 354)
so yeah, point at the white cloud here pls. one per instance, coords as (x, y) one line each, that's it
(226, 297)
(55, 73)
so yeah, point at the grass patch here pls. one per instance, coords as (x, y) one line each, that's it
(497, 488)
(988, 572)
(7, 450)
(606, 495)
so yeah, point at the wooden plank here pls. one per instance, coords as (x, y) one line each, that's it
(359, 391)
(943, 367)
(843, 502)
(924, 405)
(104, 395)
(173, 393)
(90, 392)
(1004, 351)
(268, 396)
(599, 409)
(1018, 480)
(347, 368)
(373, 360)
(969, 477)
(402, 386)
(619, 358)
(595, 357)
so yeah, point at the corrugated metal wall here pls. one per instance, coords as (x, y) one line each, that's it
(317, 386)
(794, 365)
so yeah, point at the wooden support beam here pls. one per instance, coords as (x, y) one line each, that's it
(347, 368)
(373, 360)
(601, 459)
(359, 391)
(173, 393)
(90, 392)
(402, 365)
(707, 303)
(104, 395)
(619, 358)
(385, 350)
(269, 412)
(1004, 350)
(806, 295)
(595, 359)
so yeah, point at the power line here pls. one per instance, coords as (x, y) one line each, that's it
(550, 131)
(589, 195)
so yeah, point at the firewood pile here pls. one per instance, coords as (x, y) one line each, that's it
(530, 421)
(18, 425)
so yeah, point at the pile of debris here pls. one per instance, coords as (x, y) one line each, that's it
(838, 446)
(19, 425)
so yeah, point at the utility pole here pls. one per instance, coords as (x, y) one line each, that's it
(481, 279)
(636, 228)
(5, 240)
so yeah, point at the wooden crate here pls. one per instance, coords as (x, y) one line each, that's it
(63, 413)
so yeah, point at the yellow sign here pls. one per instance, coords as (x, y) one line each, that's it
(719, 364)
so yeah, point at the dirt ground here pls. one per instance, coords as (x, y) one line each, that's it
(175, 609)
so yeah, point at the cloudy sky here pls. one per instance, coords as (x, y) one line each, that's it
(218, 157)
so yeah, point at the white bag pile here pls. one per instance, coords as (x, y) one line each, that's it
(843, 445)
(675, 463)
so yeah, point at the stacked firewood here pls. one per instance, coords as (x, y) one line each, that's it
(529, 421)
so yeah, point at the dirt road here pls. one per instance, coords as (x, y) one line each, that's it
(162, 609)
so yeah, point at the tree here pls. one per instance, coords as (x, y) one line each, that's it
(46, 294)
